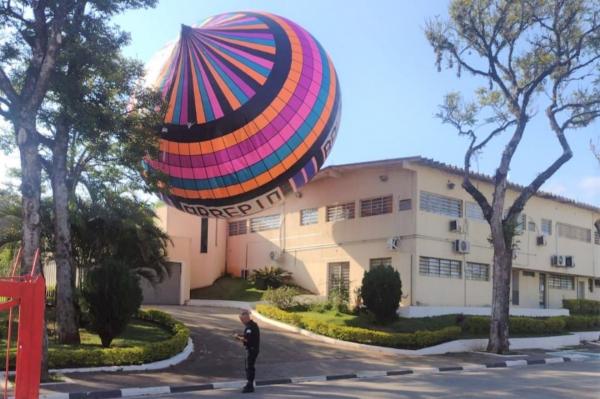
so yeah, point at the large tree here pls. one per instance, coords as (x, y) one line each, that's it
(85, 124)
(535, 58)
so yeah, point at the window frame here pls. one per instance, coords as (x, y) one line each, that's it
(268, 227)
(477, 276)
(243, 222)
(316, 215)
(380, 262)
(430, 268)
(441, 204)
(346, 207)
(384, 207)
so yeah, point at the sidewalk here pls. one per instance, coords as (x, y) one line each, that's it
(284, 355)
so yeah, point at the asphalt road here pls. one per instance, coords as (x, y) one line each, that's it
(577, 380)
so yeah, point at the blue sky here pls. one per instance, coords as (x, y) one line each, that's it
(390, 85)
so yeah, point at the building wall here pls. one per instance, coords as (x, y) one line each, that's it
(306, 250)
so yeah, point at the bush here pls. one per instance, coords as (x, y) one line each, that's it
(338, 300)
(582, 306)
(112, 295)
(270, 276)
(381, 292)
(582, 323)
(63, 357)
(416, 340)
(480, 325)
(282, 297)
(476, 325)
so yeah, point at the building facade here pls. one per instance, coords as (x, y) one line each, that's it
(410, 213)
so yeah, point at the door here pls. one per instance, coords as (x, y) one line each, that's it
(165, 293)
(515, 287)
(581, 290)
(338, 279)
(542, 290)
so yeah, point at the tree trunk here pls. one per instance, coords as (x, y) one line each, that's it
(66, 316)
(31, 171)
(498, 342)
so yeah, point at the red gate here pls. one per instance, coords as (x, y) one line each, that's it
(26, 294)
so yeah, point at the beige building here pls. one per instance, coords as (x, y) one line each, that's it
(410, 213)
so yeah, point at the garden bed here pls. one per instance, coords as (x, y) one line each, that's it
(416, 333)
(229, 289)
(152, 336)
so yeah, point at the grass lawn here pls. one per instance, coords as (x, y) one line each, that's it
(138, 332)
(231, 289)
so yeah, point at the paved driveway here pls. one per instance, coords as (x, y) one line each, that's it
(218, 356)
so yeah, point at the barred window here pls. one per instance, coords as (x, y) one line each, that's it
(546, 227)
(574, 232)
(474, 211)
(521, 223)
(531, 226)
(561, 282)
(477, 271)
(596, 238)
(238, 228)
(309, 216)
(263, 223)
(376, 262)
(440, 267)
(340, 212)
(405, 204)
(441, 205)
(339, 279)
(376, 206)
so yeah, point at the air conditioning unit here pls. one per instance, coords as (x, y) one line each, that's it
(457, 226)
(542, 240)
(393, 243)
(557, 260)
(462, 246)
(569, 261)
(245, 273)
(275, 255)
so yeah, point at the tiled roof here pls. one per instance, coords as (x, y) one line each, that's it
(456, 171)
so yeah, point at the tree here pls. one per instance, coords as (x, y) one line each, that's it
(112, 295)
(85, 114)
(381, 292)
(530, 55)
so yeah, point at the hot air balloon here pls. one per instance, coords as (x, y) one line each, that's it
(252, 110)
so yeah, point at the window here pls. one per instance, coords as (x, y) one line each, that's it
(528, 273)
(474, 211)
(379, 262)
(574, 232)
(596, 238)
(204, 235)
(340, 212)
(309, 216)
(440, 267)
(238, 228)
(405, 205)
(376, 206)
(546, 226)
(477, 271)
(441, 205)
(263, 223)
(561, 282)
(531, 226)
(338, 281)
(521, 223)
(597, 283)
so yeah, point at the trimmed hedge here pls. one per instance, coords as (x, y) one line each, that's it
(582, 323)
(480, 325)
(65, 357)
(416, 340)
(582, 306)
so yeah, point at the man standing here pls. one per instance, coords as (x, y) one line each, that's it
(251, 340)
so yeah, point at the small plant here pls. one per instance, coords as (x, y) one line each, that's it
(112, 295)
(381, 292)
(270, 276)
(338, 300)
(282, 297)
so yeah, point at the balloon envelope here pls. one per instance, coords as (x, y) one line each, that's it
(252, 110)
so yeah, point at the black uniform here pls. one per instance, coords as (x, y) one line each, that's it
(252, 344)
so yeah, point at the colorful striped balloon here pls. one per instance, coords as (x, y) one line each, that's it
(253, 108)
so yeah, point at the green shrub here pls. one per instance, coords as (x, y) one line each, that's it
(416, 340)
(582, 323)
(282, 297)
(112, 295)
(381, 292)
(582, 306)
(270, 276)
(476, 325)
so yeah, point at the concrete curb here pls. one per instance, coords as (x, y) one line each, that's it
(456, 346)
(238, 384)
